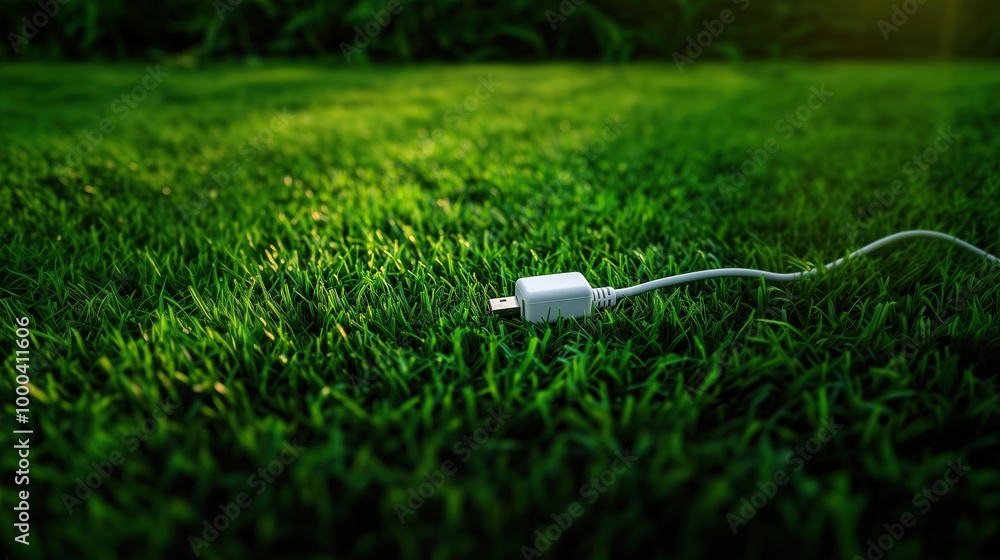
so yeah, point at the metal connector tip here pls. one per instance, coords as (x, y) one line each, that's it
(504, 306)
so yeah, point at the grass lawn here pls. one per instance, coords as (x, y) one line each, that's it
(322, 276)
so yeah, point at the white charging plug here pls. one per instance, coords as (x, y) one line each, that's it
(546, 298)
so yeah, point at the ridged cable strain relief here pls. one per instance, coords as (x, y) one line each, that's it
(605, 297)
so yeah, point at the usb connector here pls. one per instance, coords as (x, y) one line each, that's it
(504, 306)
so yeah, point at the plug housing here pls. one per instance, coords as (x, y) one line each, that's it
(547, 298)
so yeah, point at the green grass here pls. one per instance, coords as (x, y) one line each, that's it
(333, 292)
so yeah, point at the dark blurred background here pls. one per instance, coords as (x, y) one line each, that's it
(187, 31)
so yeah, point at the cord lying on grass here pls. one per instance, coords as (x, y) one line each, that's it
(546, 298)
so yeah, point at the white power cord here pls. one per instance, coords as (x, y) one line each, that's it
(547, 298)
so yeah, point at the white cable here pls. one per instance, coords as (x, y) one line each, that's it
(549, 297)
(792, 276)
